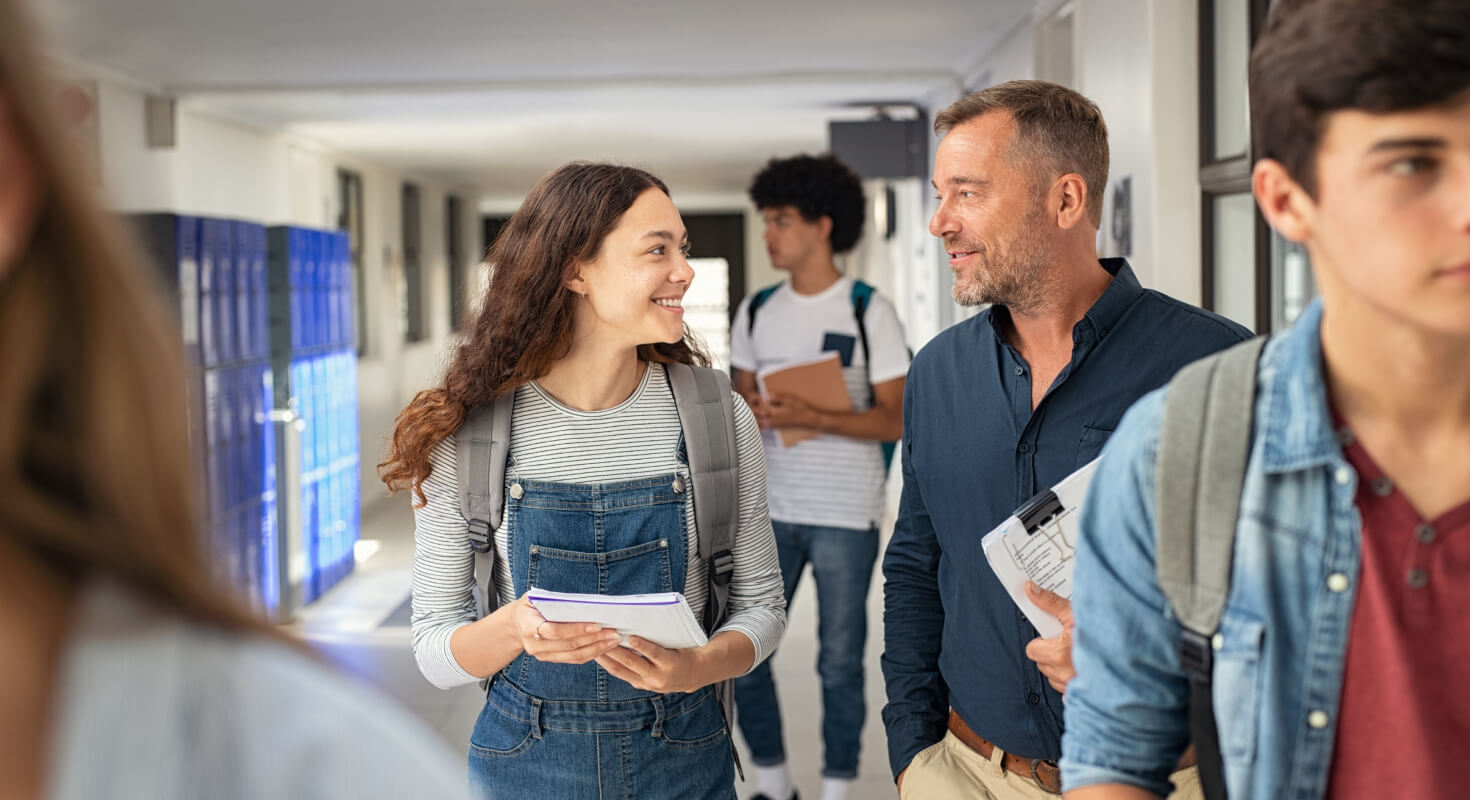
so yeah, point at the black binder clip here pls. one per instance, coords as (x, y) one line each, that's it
(1039, 510)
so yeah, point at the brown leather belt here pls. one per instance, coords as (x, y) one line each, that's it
(1046, 774)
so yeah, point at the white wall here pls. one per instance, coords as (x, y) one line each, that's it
(1137, 60)
(225, 169)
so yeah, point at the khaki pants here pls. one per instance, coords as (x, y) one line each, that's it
(950, 770)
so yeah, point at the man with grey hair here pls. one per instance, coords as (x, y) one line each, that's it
(997, 408)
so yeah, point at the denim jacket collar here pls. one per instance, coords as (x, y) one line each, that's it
(1297, 430)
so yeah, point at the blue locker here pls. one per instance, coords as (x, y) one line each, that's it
(245, 343)
(320, 288)
(309, 314)
(347, 311)
(208, 329)
(296, 254)
(333, 293)
(259, 292)
(224, 291)
(269, 536)
(214, 473)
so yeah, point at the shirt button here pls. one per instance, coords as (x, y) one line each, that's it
(1337, 582)
(1418, 578)
(1424, 533)
(1217, 641)
(1033, 698)
(1317, 719)
(1343, 475)
(1025, 448)
(1020, 371)
(1382, 486)
(516, 491)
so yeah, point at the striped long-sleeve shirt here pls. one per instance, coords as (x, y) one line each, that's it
(551, 442)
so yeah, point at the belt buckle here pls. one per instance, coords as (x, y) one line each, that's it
(1035, 778)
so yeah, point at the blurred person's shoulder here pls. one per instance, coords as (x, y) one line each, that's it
(151, 705)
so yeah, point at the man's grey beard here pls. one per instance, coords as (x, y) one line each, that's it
(1015, 288)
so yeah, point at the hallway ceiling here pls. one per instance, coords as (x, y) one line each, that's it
(494, 94)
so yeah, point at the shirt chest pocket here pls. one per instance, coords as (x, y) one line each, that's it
(1236, 688)
(1091, 443)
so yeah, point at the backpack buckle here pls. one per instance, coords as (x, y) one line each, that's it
(480, 535)
(722, 566)
(1196, 654)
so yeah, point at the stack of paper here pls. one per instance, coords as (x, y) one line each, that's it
(1038, 543)
(664, 619)
(818, 381)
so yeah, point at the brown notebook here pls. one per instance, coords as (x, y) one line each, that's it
(818, 381)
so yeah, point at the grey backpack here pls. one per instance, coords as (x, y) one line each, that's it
(1204, 445)
(707, 416)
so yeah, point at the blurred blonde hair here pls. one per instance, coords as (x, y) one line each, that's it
(94, 456)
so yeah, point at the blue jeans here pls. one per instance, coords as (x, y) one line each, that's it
(842, 564)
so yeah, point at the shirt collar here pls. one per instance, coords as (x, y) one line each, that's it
(1123, 290)
(1297, 430)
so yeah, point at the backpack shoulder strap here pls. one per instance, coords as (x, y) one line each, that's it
(756, 301)
(1204, 446)
(707, 415)
(862, 297)
(482, 444)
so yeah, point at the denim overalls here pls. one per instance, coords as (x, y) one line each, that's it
(567, 732)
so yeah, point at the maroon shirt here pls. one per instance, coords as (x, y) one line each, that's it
(1404, 726)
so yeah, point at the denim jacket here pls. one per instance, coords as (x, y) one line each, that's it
(1279, 661)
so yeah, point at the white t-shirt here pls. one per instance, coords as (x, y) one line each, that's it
(829, 480)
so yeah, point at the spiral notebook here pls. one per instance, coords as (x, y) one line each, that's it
(664, 619)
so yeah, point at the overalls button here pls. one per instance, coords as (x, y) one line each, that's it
(678, 485)
(516, 491)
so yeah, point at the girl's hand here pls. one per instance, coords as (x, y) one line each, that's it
(559, 642)
(645, 665)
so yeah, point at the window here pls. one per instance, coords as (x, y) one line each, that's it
(411, 300)
(455, 254)
(1237, 279)
(349, 196)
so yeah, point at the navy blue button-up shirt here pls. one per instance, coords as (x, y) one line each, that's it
(974, 451)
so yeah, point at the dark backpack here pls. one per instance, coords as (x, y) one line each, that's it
(1204, 446)
(862, 295)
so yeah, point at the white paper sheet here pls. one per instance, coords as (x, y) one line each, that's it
(1044, 556)
(664, 619)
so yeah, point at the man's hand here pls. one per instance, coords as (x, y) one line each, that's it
(788, 411)
(1053, 656)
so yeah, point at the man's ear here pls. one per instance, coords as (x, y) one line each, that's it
(824, 224)
(1284, 203)
(1069, 198)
